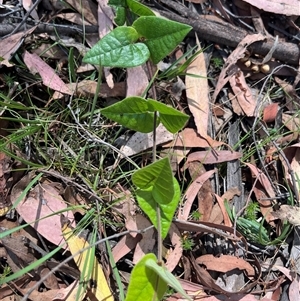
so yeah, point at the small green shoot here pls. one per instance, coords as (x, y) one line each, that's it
(187, 243)
(196, 215)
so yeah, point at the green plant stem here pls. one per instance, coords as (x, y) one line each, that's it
(158, 210)
(95, 99)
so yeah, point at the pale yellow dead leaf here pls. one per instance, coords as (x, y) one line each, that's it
(96, 283)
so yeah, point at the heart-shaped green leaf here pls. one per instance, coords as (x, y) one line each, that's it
(145, 284)
(139, 9)
(118, 49)
(161, 35)
(133, 113)
(166, 276)
(157, 175)
(148, 205)
(172, 119)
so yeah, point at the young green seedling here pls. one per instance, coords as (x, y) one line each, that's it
(158, 192)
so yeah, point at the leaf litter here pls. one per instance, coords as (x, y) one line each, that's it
(214, 257)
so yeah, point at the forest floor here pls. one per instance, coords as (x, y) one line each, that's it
(236, 74)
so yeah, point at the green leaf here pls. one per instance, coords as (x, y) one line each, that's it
(172, 119)
(148, 205)
(120, 18)
(133, 113)
(117, 49)
(139, 9)
(166, 276)
(161, 35)
(117, 3)
(157, 175)
(145, 284)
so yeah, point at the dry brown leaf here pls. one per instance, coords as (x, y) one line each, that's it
(197, 92)
(243, 102)
(75, 18)
(105, 18)
(227, 221)
(105, 25)
(126, 205)
(176, 251)
(217, 215)
(9, 45)
(292, 154)
(189, 138)
(125, 245)
(43, 200)
(147, 243)
(294, 290)
(262, 178)
(137, 81)
(27, 5)
(191, 194)
(51, 281)
(270, 112)
(86, 8)
(263, 189)
(225, 263)
(237, 54)
(213, 156)
(139, 142)
(17, 254)
(50, 79)
(289, 213)
(282, 7)
(289, 93)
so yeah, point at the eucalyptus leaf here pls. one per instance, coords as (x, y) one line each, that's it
(133, 113)
(118, 49)
(161, 35)
(145, 284)
(159, 176)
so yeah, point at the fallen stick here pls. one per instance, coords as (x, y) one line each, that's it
(229, 35)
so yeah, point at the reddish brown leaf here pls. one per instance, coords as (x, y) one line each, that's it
(270, 112)
(43, 200)
(9, 45)
(50, 79)
(226, 218)
(243, 102)
(213, 156)
(191, 194)
(225, 263)
(175, 253)
(189, 138)
(125, 245)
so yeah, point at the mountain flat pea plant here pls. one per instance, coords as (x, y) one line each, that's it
(158, 192)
